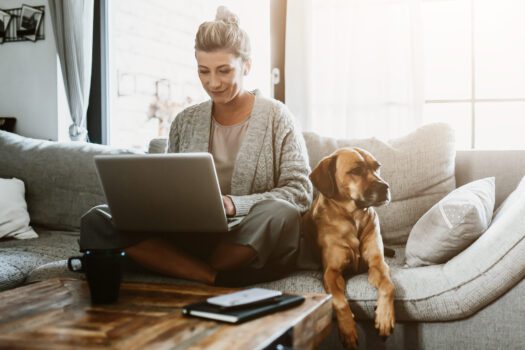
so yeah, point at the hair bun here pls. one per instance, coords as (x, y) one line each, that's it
(225, 15)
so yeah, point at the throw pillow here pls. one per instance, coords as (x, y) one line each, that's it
(418, 166)
(14, 218)
(452, 224)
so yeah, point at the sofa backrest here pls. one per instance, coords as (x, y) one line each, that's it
(418, 166)
(60, 177)
(508, 167)
(61, 181)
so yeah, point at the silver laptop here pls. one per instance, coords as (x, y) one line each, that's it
(177, 192)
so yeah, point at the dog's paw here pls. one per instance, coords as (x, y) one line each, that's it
(348, 337)
(384, 320)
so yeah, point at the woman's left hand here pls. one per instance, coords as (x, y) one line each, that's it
(229, 207)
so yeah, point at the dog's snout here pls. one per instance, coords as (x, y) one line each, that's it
(378, 193)
(383, 188)
(380, 186)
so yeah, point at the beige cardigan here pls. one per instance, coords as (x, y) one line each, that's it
(272, 161)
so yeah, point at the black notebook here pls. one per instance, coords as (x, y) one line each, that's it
(242, 313)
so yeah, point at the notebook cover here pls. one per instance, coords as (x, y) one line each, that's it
(242, 313)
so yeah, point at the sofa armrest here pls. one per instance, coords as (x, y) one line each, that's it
(495, 261)
(507, 166)
(158, 145)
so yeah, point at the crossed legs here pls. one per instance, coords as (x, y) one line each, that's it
(272, 227)
(165, 258)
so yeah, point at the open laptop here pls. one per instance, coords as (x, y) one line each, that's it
(176, 192)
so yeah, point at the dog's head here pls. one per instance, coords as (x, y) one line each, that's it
(351, 174)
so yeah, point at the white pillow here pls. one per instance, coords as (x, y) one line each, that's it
(452, 224)
(14, 218)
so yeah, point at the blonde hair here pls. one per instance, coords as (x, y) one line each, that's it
(223, 33)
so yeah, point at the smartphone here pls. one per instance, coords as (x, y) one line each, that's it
(244, 297)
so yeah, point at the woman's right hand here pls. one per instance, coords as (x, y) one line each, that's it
(229, 207)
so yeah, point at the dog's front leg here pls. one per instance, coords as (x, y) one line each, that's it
(379, 277)
(334, 284)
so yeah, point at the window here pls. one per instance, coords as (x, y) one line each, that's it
(152, 68)
(474, 73)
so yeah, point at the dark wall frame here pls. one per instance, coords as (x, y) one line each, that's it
(277, 42)
(97, 114)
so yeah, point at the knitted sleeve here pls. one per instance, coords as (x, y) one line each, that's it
(174, 136)
(293, 183)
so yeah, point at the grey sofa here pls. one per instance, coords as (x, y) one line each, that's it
(435, 308)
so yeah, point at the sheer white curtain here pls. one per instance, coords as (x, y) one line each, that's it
(354, 67)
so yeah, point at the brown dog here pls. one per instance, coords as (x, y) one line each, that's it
(347, 229)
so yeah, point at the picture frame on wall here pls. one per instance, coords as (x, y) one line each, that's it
(29, 23)
(5, 20)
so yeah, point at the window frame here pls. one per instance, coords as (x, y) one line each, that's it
(97, 114)
(278, 45)
(472, 101)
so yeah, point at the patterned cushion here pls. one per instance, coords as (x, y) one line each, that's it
(10, 274)
(19, 258)
(60, 177)
(419, 168)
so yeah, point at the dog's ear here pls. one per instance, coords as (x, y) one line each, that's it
(323, 177)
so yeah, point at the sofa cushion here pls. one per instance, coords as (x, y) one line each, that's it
(449, 291)
(60, 177)
(452, 224)
(419, 168)
(19, 258)
(458, 289)
(418, 290)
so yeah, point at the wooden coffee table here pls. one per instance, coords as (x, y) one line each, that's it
(57, 314)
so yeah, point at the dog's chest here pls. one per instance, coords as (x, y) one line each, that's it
(337, 231)
(340, 226)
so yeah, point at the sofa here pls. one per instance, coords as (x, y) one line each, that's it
(474, 301)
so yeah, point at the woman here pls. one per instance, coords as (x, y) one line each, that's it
(261, 163)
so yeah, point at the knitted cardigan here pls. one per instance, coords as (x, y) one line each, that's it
(272, 161)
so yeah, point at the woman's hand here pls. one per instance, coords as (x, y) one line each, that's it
(229, 207)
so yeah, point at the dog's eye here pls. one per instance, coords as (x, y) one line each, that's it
(356, 171)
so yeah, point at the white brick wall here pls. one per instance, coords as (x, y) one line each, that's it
(151, 41)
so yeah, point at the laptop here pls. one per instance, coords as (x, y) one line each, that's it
(175, 192)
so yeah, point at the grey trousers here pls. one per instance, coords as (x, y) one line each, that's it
(272, 228)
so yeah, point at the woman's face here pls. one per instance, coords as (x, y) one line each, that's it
(221, 74)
